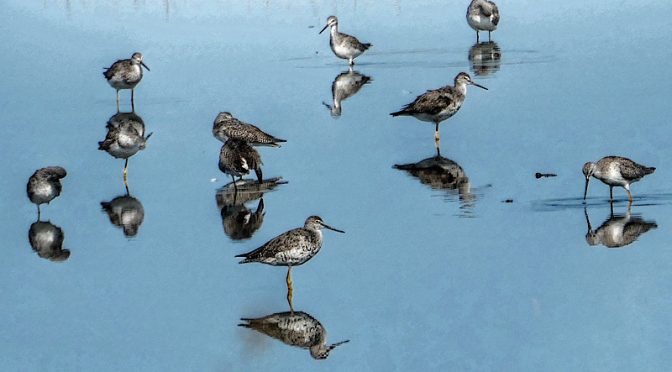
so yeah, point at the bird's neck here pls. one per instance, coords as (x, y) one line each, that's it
(462, 88)
(334, 30)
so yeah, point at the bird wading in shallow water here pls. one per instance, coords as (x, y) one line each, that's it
(483, 15)
(45, 185)
(615, 171)
(439, 104)
(126, 74)
(291, 248)
(343, 45)
(237, 158)
(228, 127)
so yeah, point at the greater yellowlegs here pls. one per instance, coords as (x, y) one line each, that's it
(125, 137)
(618, 230)
(126, 74)
(343, 45)
(483, 15)
(46, 239)
(439, 104)
(294, 328)
(125, 212)
(228, 127)
(237, 158)
(345, 85)
(615, 171)
(44, 185)
(291, 248)
(485, 58)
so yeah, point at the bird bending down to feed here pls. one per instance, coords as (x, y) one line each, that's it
(126, 74)
(439, 104)
(291, 248)
(343, 45)
(228, 127)
(44, 185)
(615, 171)
(483, 15)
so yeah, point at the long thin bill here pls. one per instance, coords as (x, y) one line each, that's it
(478, 85)
(333, 229)
(585, 190)
(324, 28)
(143, 63)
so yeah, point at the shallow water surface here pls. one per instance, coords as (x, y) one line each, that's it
(527, 281)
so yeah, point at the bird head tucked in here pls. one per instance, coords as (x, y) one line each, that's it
(316, 223)
(464, 79)
(588, 170)
(137, 59)
(331, 21)
(322, 351)
(223, 116)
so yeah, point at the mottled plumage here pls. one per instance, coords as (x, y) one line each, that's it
(615, 171)
(343, 45)
(483, 15)
(227, 127)
(45, 184)
(291, 248)
(46, 239)
(618, 230)
(345, 85)
(125, 136)
(439, 104)
(294, 328)
(237, 158)
(126, 212)
(239, 222)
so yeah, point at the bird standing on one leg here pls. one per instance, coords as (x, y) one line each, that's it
(439, 104)
(45, 185)
(343, 45)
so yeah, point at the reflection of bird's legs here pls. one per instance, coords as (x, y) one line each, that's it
(38, 212)
(125, 172)
(235, 188)
(290, 290)
(629, 196)
(476, 36)
(117, 100)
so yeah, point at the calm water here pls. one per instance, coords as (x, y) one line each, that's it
(413, 284)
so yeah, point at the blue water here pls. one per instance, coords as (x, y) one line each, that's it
(425, 278)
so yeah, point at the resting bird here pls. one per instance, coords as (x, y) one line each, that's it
(227, 127)
(483, 15)
(237, 158)
(45, 185)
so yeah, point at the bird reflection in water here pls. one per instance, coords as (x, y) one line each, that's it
(618, 230)
(485, 58)
(46, 239)
(345, 85)
(238, 221)
(125, 137)
(125, 212)
(441, 173)
(294, 328)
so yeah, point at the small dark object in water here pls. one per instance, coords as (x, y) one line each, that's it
(539, 175)
(508, 201)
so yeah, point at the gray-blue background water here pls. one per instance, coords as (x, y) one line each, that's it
(412, 284)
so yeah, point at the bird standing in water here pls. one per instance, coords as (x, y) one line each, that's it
(343, 45)
(439, 104)
(291, 248)
(126, 74)
(483, 15)
(237, 158)
(615, 171)
(45, 185)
